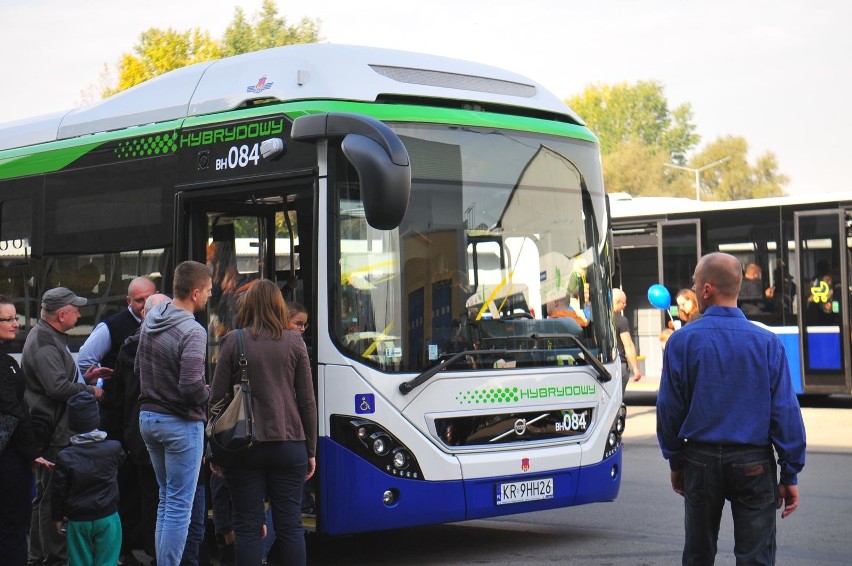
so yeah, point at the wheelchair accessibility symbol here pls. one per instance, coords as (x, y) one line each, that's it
(365, 403)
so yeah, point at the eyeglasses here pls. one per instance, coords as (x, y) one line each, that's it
(9, 320)
(301, 325)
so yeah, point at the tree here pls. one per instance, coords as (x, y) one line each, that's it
(621, 113)
(638, 134)
(160, 51)
(268, 31)
(735, 179)
(635, 169)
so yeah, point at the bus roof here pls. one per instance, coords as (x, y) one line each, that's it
(624, 206)
(295, 72)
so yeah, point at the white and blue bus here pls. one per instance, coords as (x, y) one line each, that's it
(797, 250)
(426, 211)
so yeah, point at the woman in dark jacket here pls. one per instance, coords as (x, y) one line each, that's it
(20, 454)
(285, 426)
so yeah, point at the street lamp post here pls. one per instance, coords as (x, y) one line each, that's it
(698, 172)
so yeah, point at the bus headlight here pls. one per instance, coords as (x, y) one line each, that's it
(621, 419)
(400, 458)
(380, 443)
(612, 439)
(374, 444)
(362, 433)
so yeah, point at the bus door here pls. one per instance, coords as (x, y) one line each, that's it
(636, 248)
(823, 248)
(245, 236)
(679, 252)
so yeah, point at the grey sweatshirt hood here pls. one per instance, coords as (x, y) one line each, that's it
(165, 316)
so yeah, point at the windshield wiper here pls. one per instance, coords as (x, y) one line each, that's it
(407, 387)
(603, 374)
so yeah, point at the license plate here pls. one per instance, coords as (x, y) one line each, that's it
(520, 491)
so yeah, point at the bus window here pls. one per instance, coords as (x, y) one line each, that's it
(487, 241)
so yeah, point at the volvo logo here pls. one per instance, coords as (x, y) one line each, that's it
(519, 428)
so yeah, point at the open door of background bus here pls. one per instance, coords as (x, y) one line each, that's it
(823, 264)
(657, 252)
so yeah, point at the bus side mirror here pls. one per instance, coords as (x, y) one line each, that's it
(378, 155)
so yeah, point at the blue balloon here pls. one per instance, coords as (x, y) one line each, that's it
(659, 296)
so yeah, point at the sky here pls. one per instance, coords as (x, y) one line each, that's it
(776, 72)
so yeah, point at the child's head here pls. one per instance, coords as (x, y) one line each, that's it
(298, 316)
(83, 414)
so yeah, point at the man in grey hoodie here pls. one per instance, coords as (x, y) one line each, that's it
(170, 363)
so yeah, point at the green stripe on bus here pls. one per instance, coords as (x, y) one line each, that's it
(406, 113)
(55, 156)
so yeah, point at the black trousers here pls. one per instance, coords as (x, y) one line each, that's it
(16, 496)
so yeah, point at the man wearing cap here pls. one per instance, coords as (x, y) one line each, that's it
(52, 378)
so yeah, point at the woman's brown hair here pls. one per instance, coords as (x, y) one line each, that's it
(263, 308)
(690, 295)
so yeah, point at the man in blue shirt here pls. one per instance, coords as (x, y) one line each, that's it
(725, 400)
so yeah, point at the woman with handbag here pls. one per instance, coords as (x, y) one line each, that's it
(18, 448)
(281, 455)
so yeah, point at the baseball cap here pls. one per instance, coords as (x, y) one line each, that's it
(55, 299)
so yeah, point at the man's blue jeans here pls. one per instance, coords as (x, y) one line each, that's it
(175, 445)
(745, 476)
(197, 520)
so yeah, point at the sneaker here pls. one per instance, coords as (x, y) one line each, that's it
(309, 512)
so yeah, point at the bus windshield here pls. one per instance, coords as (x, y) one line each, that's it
(501, 249)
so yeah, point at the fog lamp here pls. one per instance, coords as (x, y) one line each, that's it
(389, 497)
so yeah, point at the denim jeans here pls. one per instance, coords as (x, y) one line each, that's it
(745, 476)
(197, 520)
(175, 445)
(276, 470)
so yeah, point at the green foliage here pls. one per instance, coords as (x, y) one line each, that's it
(268, 30)
(160, 51)
(736, 179)
(621, 113)
(640, 135)
(635, 169)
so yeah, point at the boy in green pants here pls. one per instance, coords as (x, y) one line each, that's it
(85, 487)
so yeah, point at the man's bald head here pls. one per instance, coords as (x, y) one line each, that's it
(717, 278)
